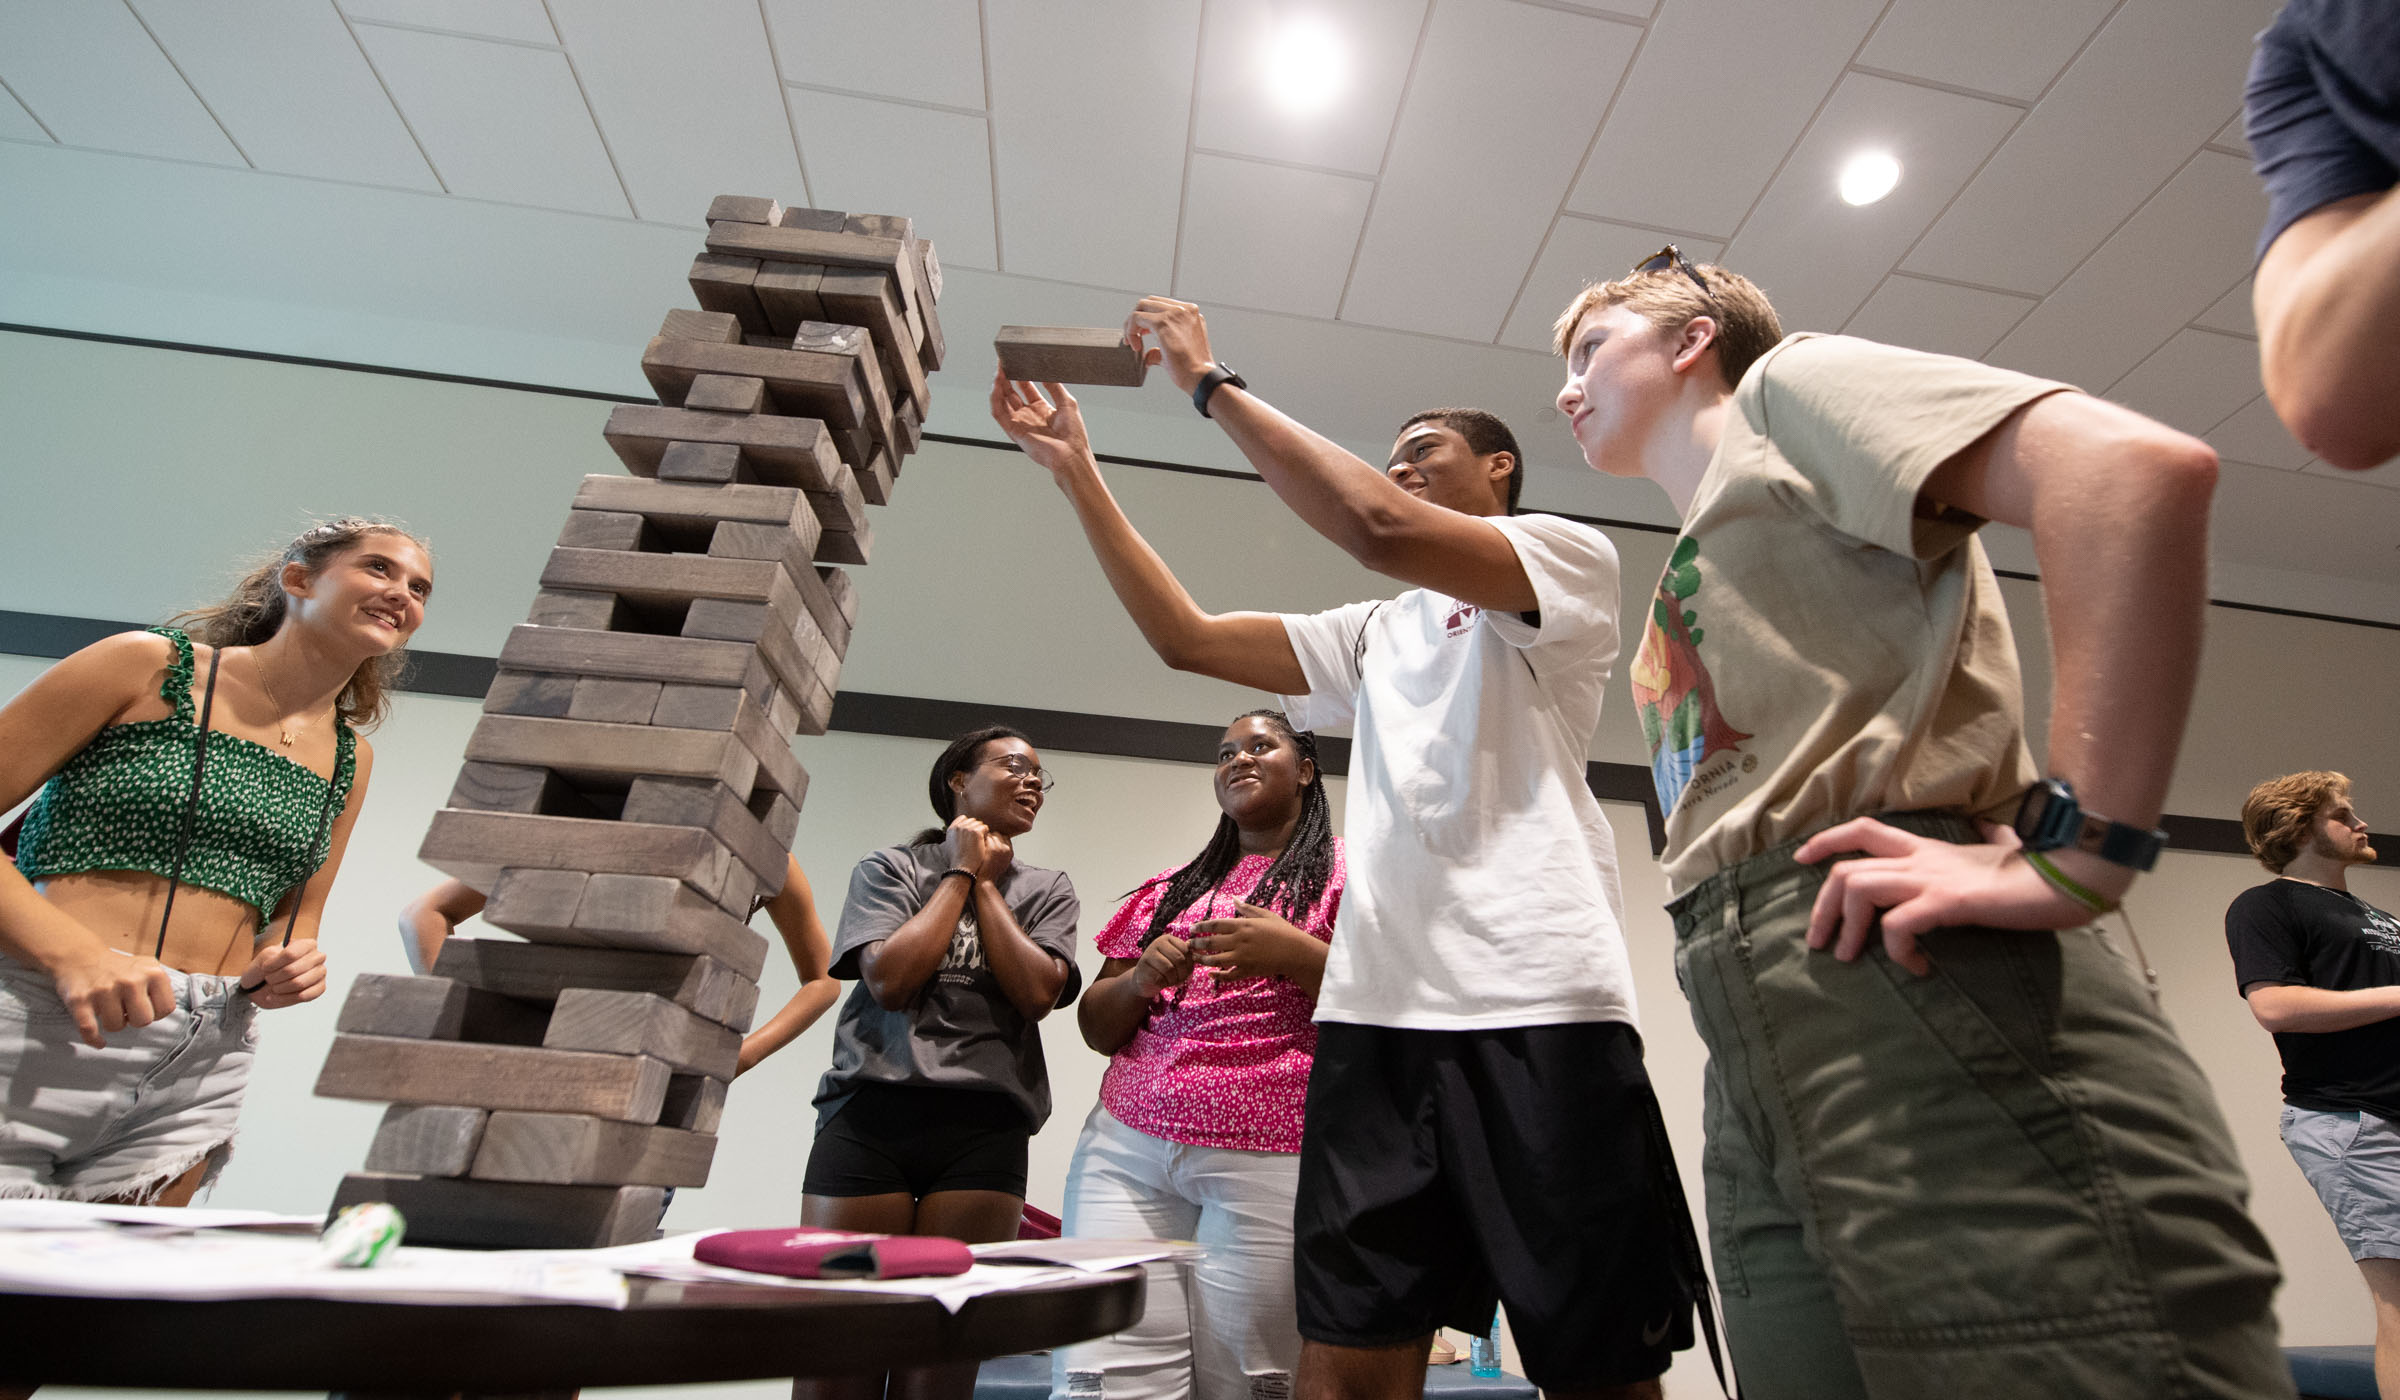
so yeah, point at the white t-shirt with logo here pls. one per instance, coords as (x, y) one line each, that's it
(1483, 879)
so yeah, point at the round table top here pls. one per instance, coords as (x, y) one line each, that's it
(670, 1333)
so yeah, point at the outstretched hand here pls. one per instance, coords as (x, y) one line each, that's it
(1050, 429)
(1182, 335)
(1918, 884)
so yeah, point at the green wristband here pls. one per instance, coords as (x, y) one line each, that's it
(2067, 884)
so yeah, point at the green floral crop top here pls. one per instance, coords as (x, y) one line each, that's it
(118, 804)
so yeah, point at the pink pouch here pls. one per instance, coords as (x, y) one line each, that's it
(834, 1254)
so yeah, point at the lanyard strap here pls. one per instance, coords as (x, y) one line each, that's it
(315, 854)
(191, 805)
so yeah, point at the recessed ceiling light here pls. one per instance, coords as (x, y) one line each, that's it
(1868, 177)
(1306, 65)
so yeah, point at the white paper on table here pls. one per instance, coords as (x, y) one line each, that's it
(1091, 1256)
(671, 1258)
(110, 1262)
(86, 1215)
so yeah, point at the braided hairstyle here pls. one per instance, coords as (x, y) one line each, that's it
(256, 609)
(1299, 875)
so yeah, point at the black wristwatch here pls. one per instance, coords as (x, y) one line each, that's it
(2050, 819)
(1219, 375)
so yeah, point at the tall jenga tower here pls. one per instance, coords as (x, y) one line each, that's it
(630, 789)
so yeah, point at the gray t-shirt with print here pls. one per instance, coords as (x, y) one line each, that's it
(960, 1031)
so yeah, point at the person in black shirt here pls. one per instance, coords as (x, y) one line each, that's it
(2320, 968)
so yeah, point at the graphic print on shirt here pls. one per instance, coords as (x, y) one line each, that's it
(2380, 930)
(1673, 693)
(1461, 619)
(965, 957)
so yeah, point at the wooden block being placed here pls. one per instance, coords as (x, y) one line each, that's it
(716, 463)
(634, 656)
(468, 1214)
(725, 284)
(476, 846)
(683, 802)
(614, 701)
(420, 1008)
(1069, 355)
(744, 209)
(644, 1026)
(557, 608)
(627, 911)
(695, 1103)
(788, 293)
(627, 1087)
(783, 451)
(532, 790)
(606, 529)
(427, 1139)
(722, 393)
(531, 693)
(539, 972)
(718, 327)
(576, 1150)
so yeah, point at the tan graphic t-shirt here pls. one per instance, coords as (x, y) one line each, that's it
(1817, 649)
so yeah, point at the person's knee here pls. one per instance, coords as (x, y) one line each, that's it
(1394, 1372)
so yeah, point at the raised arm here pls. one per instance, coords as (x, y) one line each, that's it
(2327, 297)
(427, 921)
(1338, 494)
(794, 912)
(2118, 507)
(1246, 648)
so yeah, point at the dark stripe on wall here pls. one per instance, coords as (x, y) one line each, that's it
(1070, 731)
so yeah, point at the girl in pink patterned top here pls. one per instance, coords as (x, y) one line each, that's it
(1204, 1007)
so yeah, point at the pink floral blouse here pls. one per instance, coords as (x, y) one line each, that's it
(1221, 1061)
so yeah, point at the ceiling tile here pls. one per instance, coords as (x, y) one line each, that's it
(1937, 316)
(2232, 313)
(2256, 435)
(2013, 50)
(2387, 475)
(2231, 136)
(921, 50)
(2305, 521)
(499, 121)
(1632, 9)
(2193, 382)
(1819, 258)
(686, 96)
(17, 124)
(870, 157)
(1681, 150)
(520, 20)
(2147, 281)
(1503, 105)
(1580, 252)
(1269, 236)
(1238, 110)
(98, 80)
(1081, 87)
(289, 82)
(2148, 91)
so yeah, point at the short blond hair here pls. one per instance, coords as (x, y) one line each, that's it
(1747, 326)
(2280, 815)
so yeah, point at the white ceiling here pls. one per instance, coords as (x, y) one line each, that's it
(508, 188)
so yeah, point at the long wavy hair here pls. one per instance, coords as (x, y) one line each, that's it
(256, 608)
(961, 755)
(1298, 877)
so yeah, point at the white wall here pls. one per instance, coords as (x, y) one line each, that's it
(134, 476)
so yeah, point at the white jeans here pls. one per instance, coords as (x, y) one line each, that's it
(1221, 1329)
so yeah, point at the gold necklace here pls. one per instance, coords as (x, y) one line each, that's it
(284, 729)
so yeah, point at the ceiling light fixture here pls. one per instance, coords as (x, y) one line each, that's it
(1306, 66)
(1868, 177)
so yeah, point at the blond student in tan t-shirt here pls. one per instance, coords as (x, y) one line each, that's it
(1950, 1135)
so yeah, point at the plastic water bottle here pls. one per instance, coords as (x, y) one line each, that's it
(1483, 1352)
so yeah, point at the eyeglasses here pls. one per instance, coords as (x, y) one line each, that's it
(1016, 767)
(1672, 257)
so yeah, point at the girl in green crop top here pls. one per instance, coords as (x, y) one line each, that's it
(196, 792)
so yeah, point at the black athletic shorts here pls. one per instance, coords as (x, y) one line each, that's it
(1442, 1171)
(895, 1137)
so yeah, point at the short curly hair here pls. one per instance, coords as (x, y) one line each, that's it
(2280, 814)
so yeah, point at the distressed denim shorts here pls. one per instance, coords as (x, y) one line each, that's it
(2003, 1179)
(2353, 1160)
(87, 1124)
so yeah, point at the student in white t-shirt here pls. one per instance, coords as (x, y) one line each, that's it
(1479, 1125)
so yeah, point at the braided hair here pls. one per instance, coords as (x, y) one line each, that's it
(1299, 874)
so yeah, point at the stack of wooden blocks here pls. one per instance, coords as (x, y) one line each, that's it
(630, 790)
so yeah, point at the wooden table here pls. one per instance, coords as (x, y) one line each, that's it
(671, 1333)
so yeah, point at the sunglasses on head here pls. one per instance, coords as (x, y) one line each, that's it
(1672, 257)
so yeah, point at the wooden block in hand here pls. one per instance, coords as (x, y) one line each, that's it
(662, 915)
(578, 1150)
(645, 1026)
(1069, 355)
(427, 1139)
(727, 285)
(695, 1102)
(781, 451)
(744, 209)
(469, 1214)
(476, 846)
(537, 972)
(529, 693)
(612, 701)
(725, 393)
(627, 1087)
(713, 463)
(606, 529)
